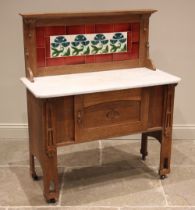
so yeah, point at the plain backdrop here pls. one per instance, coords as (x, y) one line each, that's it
(172, 49)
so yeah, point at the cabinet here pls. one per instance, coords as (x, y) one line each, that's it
(89, 77)
(118, 112)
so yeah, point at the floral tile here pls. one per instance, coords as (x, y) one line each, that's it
(88, 44)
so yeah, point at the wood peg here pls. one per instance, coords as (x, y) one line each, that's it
(147, 44)
(145, 29)
(27, 54)
(79, 117)
(30, 73)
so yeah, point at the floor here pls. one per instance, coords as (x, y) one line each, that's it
(105, 175)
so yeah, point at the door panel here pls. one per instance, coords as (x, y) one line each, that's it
(108, 114)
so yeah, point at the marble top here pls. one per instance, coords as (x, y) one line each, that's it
(82, 83)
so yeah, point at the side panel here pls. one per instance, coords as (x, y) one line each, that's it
(155, 118)
(36, 125)
(63, 111)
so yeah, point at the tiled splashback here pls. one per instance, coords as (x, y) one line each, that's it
(88, 44)
(130, 31)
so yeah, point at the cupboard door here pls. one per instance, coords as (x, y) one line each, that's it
(109, 114)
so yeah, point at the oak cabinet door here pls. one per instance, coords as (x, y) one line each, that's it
(108, 114)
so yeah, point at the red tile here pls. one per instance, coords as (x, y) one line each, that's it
(90, 59)
(135, 32)
(104, 28)
(40, 37)
(134, 54)
(40, 57)
(129, 37)
(90, 29)
(121, 56)
(135, 26)
(55, 30)
(103, 58)
(55, 61)
(121, 27)
(47, 46)
(74, 60)
(135, 36)
(78, 29)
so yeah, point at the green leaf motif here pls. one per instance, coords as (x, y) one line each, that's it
(114, 48)
(124, 48)
(55, 52)
(105, 50)
(76, 51)
(87, 51)
(96, 49)
(67, 53)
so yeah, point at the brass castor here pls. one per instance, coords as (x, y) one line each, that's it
(52, 200)
(35, 177)
(163, 177)
(143, 157)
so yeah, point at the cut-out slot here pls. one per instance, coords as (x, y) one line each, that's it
(51, 186)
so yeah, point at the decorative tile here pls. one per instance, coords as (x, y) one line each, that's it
(44, 34)
(88, 44)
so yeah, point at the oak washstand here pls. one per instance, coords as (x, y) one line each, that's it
(89, 77)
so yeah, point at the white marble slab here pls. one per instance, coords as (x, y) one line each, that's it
(82, 83)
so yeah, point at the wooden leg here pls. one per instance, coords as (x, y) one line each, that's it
(32, 167)
(50, 178)
(165, 153)
(144, 145)
(49, 158)
(165, 156)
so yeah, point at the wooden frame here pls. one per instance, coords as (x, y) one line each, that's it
(68, 120)
(31, 21)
